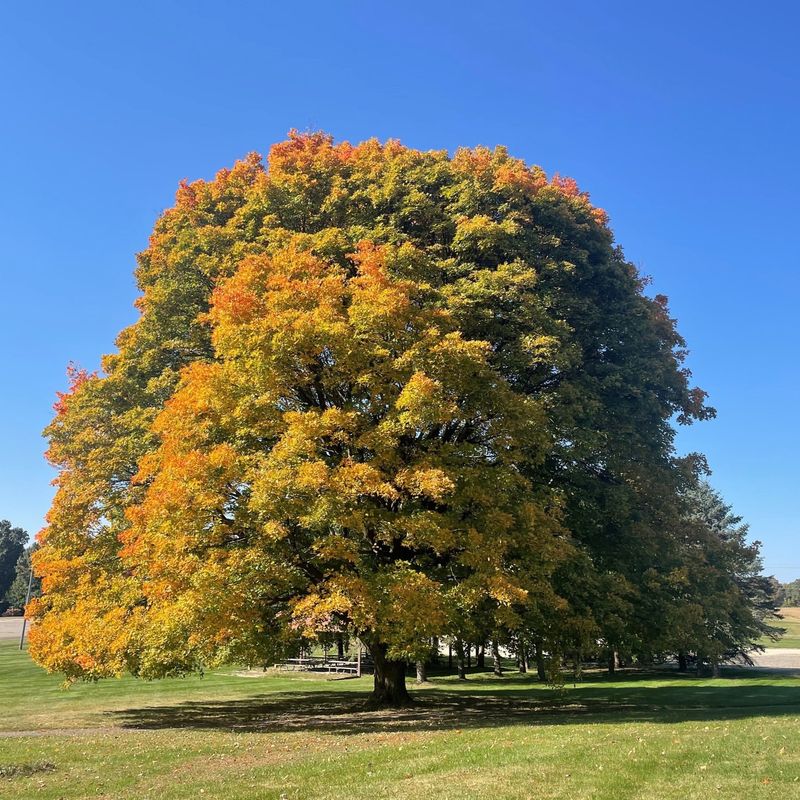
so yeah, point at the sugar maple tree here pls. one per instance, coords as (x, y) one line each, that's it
(370, 388)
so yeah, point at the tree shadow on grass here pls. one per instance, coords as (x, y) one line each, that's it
(435, 708)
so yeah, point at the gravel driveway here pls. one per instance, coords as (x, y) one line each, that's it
(10, 627)
(778, 658)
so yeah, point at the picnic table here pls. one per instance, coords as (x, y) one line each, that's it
(317, 664)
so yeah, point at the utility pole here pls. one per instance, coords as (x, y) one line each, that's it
(27, 600)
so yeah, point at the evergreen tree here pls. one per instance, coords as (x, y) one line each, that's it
(723, 604)
(18, 591)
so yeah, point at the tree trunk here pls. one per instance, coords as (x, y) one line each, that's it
(450, 657)
(714, 668)
(541, 667)
(577, 669)
(422, 672)
(683, 664)
(390, 679)
(613, 662)
(522, 656)
(469, 655)
(498, 667)
(435, 650)
(462, 672)
(480, 658)
(340, 646)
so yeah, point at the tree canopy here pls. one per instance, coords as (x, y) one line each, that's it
(371, 389)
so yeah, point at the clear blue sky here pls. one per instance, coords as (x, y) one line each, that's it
(683, 123)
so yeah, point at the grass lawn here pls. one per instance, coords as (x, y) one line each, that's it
(790, 621)
(228, 737)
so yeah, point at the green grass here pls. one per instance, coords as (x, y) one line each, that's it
(232, 738)
(790, 621)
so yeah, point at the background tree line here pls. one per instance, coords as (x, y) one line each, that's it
(788, 594)
(15, 567)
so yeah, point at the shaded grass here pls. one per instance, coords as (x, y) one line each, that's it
(481, 703)
(221, 736)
